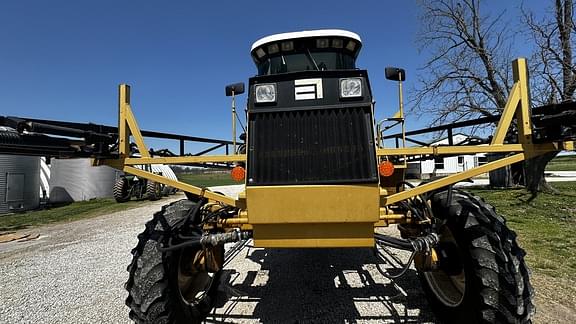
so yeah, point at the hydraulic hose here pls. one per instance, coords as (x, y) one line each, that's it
(208, 240)
(420, 244)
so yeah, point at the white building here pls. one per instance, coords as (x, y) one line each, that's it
(441, 166)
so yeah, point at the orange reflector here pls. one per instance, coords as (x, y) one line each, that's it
(238, 173)
(386, 168)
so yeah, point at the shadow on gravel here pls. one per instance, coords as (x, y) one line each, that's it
(323, 286)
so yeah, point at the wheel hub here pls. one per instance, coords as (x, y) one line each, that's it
(449, 282)
(194, 279)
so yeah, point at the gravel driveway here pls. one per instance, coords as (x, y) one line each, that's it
(75, 273)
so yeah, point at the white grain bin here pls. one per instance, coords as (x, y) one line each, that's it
(19, 183)
(165, 171)
(77, 180)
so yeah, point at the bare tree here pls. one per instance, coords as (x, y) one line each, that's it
(553, 71)
(468, 73)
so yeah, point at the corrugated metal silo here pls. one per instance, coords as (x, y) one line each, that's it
(77, 180)
(164, 170)
(19, 183)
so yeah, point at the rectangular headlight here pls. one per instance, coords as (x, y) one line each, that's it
(350, 88)
(265, 92)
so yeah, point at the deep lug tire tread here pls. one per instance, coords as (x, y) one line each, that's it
(153, 190)
(500, 277)
(120, 190)
(152, 297)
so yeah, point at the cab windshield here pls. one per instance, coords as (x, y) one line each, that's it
(306, 60)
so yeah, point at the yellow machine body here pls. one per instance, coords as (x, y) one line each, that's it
(304, 216)
(313, 215)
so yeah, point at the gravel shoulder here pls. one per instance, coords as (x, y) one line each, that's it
(75, 273)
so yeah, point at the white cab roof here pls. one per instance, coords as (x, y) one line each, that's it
(306, 34)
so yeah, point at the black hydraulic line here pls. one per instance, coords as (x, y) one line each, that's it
(105, 129)
(208, 240)
(388, 254)
(172, 247)
(92, 140)
(12, 142)
(402, 272)
(10, 137)
(419, 244)
(553, 109)
(162, 152)
(65, 131)
(562, 118)
(408, 203)
(396, 242)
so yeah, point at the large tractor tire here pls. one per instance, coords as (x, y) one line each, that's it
(153, 190)
(192, 197)
(482, 276)
(169, 287)
(121, 190)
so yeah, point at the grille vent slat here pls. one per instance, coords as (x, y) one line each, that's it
(311, 147)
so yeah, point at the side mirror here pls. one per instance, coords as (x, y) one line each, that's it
(395, 74)
(236, 89)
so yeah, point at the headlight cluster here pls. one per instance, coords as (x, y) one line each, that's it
(265, 93)
(350, 88)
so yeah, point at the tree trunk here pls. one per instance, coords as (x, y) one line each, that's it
(535, 180)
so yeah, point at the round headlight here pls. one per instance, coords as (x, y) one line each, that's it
(265, 93)
(351, 87)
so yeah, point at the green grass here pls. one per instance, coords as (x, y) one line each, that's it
(66, 213)
(562, 163)
(546, 227)
(207, 179)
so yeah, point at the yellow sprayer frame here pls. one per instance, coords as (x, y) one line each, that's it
(344, 233)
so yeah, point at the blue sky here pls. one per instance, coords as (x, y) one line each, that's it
(64, 59)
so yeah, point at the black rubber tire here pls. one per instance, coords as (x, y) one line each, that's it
(121, 191)
(153, 190)
(192, 197)
(497, 287)
(153, 292)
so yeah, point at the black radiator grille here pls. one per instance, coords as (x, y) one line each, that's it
(311, 147)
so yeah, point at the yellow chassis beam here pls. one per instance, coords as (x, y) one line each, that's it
(517, 107)
(202, 192)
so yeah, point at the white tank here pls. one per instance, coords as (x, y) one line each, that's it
(19, 183)
(164, 170)
(77, 180)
